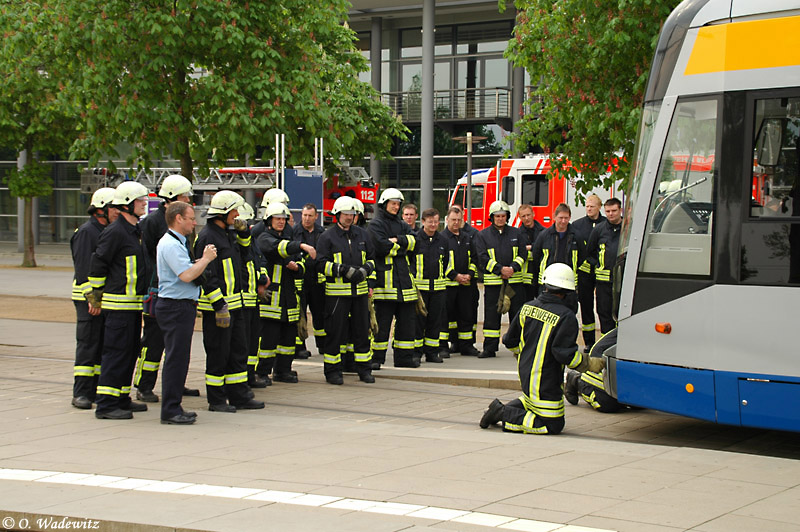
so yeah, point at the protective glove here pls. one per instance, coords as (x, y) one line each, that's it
(239, 224)
(359, 275)
(504, 301)
(347, 271)
(373, 318)
(593, 364)
(223, 317)
(95, 297)
(265, 296)
(302, 327)
(421, 309)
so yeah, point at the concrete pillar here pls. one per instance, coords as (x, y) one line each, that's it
(517, 100)
(375, 58)
(426, 151)
(21, 160)
(250, 197)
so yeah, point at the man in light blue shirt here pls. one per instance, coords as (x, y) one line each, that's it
(176, 307)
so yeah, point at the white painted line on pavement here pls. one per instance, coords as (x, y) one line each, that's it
(290, 497)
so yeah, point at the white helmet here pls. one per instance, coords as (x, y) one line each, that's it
(276, 210)
(246, 212)
(390, 194)
(173, 186)
(559, 276)
(344, 205)
(274, 195)
(101, 198)
(224, 202)
(358, 205)
(128, 191)
(498, 207)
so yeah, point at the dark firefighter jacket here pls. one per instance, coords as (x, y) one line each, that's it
(279, 250)
(429, 261)
(117, 266)
(349, 248)
(392, 276)
(223, 278)
(82, 244)
(601, 251)
(311, 238)
(543, 336)
(549, 249)
(531, 234)
(153, 227)
(497, 249)
(460, 255)
(583, 228)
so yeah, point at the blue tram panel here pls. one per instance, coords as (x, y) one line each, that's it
(683, 391)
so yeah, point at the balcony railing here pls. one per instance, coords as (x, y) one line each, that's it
(453, 104)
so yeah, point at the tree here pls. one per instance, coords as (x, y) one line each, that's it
(591, 61)
(32, 116)
(215, 79)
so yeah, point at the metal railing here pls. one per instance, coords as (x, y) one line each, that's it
(453, 104)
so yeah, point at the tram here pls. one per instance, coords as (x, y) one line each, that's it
(707, 281)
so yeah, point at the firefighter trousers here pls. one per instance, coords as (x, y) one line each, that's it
(492, 318)
(531, 290)
(313, 299)
(88, 350)
(404, 316)
(252, 325)
(428, 327)
(460, 316)
(276, 350)
(605, 298)
(226, 359)
(176, 319)
(586, 285)
(347, 322)
(123, 329)
(592, 389)
(150, 357)
(516, 418)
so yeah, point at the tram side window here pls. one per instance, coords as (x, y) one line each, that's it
(771, 238)
(508, 189)
(534, 189)
(477, 196)
(680, 220)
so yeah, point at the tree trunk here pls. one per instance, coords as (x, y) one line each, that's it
(187, 168)
(28, 259)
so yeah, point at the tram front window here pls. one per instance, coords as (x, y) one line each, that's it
(680, 220)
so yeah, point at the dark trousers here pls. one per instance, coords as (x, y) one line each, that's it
(176, 319)
(515, 420)
(492, 318)
(276, 350)
(460, 316)
(404, 330)
(313, 299)
(226, 359)
(252, 324)
(428, 327)
(590, 386)
(586, 285)
(476, 301)
(531, 291)
(88, 351)
(604, 303)
(120, 349)
(150, 357)
(347, 322)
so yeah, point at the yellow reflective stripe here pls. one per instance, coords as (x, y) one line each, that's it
(236, 378)
(492, 261)
(285, 350)
(150, 366)
(83, 371)
(490, 333)
(243, 241)
(588, 327)
(283, 246)
(97, 369)
(538, 359)
(332, 359)
(543, 264)
(420, 268)
(97, 282)
(593, 379)
(131, 275)
(400, 344)
(380, 346)
(412, 242)
(108, 390)
(230, 276)
(577, 358)
(252, 360)
(214, 380)
(418, 343)
(394, 250)
(362, 357)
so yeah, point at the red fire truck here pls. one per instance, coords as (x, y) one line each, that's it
(518, 181)
(350, 181)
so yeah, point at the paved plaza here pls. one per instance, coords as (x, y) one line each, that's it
(395, 455)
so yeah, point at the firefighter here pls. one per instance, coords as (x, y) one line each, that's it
(558, 244)
(224, 331)
(589, 385)
(281, 310)
(91, 321)
(347, 349)
(601, 253)
(543, 335)
(470, 231)
(273, 195)
(154, 226)
(531, 228)
(394, 293)
(430, 261)
(346, 260)
(461, 280)
(116, 276)
(312, 296)
(255, 283)
(586, 283)
(501, 255)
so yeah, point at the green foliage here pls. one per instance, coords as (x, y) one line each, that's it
(32, 181)
(213, 78)
(592, 60)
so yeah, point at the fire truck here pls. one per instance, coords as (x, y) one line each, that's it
(518, 181)
(350, 181)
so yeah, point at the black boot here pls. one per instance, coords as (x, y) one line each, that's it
(571, 387)
(493, 414)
